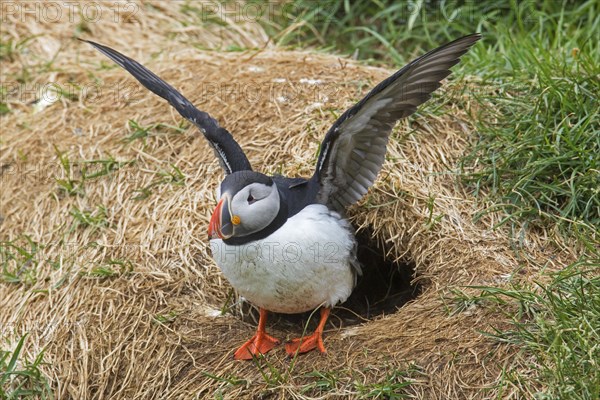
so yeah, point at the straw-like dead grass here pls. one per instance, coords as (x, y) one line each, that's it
(127, 306)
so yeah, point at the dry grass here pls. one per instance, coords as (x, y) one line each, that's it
(150, 328)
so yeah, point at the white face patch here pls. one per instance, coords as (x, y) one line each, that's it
(256, 205)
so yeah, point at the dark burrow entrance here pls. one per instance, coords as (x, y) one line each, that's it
(384, 287)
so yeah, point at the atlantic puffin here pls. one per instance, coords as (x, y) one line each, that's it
(284, 243)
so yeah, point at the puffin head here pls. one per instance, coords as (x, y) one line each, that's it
(249, 203)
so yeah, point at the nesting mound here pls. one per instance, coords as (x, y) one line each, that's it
(121, 291)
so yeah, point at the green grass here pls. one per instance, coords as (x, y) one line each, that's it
(328, 383)
(226, 382)
(537, 148)
(20, 260)
(164, 177)
(321, 381)
(535, 152)
(109, 269)
(4, 109)
(556, 324)
(384, 31)
(392, 387)
(21, 378)
(75, 174)
(167, 318)
(140, 132)
(95, 219)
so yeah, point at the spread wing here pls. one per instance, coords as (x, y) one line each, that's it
(228, 151)
(354, 148)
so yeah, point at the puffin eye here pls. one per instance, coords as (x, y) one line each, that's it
(251, 199)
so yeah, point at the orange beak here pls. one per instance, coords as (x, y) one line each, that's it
(220, 225)
(214, 226)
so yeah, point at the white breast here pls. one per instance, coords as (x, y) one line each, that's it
(308, 262)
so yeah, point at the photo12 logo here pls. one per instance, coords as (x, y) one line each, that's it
(89, 92)
(71, 11)
(275, 252)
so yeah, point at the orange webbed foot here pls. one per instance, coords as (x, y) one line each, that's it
(305, 344)
(260, 343)
(308, 343)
